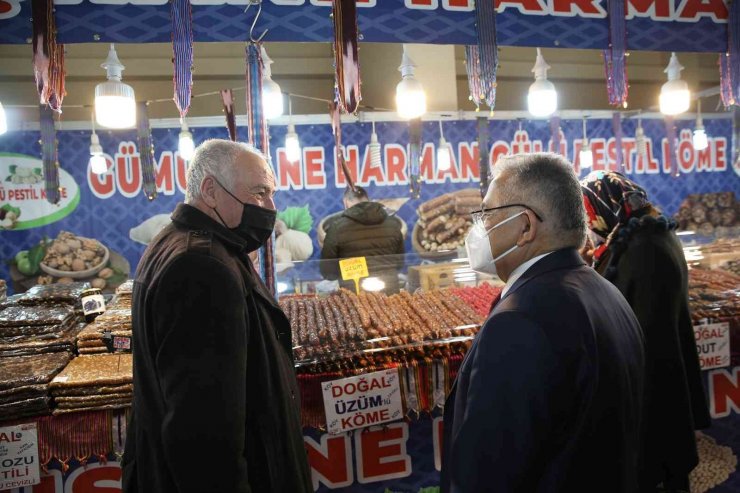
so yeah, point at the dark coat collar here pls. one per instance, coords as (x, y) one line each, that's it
(559, 259)
(195, 219)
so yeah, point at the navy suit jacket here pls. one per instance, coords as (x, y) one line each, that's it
(548, 398)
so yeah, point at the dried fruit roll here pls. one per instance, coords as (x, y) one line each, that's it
(389, 309)
(450, 312)
(429, 311)
(438, 211)
(452, 229)
(377, 329)
(321, 325)
(431, 204)
(348, 323)
(416, 323)
(341, 328)
(381, 309)
(427, 325)
(331, 323)
(377, 315)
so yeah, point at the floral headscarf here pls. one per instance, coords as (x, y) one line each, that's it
(611, 199)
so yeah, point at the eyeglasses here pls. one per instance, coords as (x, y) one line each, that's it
(480, 216)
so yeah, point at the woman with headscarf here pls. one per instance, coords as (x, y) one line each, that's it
(635, 248)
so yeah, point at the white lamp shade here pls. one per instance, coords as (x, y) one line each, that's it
(700, 139)
(98, 165)
(115, 105)
(292, 147)
(542, 99)
(272, 98)
(186, 145)
(675, 97)
(3, 120)
(411, 100)
(586, 157)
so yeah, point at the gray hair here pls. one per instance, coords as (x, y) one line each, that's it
(548, 183)
(215, 157)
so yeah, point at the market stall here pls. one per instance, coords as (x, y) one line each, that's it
(79, 203)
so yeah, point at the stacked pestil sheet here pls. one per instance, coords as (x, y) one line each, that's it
(94, 382)
(24, 383)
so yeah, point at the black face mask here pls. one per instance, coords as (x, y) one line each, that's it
(256, 225)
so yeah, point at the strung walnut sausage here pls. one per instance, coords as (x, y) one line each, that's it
(354, 315)
(302, 329)
(330, 322)
(361, 310)
(445, 209)
(451, 230)
(435, 225)
(321, 325)
(313, 336)
(341, 327)
(348, 324)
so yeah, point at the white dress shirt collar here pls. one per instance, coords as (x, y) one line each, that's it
(519, 271)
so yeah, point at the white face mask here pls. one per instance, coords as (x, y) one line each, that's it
(478, 247)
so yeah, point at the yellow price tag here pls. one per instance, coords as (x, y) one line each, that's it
(354, 269)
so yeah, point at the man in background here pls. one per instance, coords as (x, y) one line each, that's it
(364, 230)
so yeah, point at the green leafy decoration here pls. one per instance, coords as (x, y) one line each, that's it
(37, 254)
(10, 208)
(297, 218)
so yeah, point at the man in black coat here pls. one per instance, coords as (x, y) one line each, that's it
(548, 398)
(364, 230)
(216, 404)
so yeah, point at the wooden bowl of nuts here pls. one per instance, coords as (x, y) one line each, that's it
(75, 257)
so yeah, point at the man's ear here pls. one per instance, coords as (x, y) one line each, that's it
(529, 228)
(208, 191)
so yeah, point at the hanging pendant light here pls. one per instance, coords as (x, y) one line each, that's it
(292, 143)
(185, 143)
(272, 96)
(675, 96)
(98, 165)
(411, 100)
(115, 103)
(374, 150)
(542, 99)
(3, 120)
(586, 156)
(444, 159)
(700, 139)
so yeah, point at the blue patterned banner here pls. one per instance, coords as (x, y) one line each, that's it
(664, 25)
(109, 206)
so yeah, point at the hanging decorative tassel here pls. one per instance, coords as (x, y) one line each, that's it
(487, 51)
(615, 56)
(48, 56)
(346, 54)
(472, 67)
(670, 131)
(259, 138)
(146, 150)
(483, 155)
(49, 155)
(726, 92)
(228, 100)
(555, 134)
(257, 124)
(336, 128)
(617, 127)
(415, 158)
(181, 14)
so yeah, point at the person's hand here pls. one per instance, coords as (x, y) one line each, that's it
(587, 252)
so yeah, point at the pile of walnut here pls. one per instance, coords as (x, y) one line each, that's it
(71, 253)
(445, 220)
(710, 214)
(716, 463)
(372, 328)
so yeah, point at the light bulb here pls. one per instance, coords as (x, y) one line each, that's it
(675, 96)
(98, 164)
(272, 96)
(411, 100)
(700, 139)
(292, 145)
(444, 160)
(185, 144)
(542, 99)
(586, 157)
(372, 284)
(3, 120)
(115, 103)
(374, 149)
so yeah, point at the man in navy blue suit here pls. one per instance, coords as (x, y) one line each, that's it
(548, 397)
